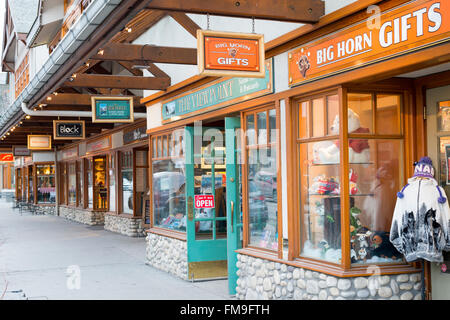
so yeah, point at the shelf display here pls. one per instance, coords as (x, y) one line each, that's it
(374, 173)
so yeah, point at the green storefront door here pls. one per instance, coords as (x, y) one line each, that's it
(213, 201)
(206, 223)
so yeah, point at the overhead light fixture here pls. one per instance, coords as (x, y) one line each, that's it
(101, 52)
(27, 116)
(49, 98)
(129, 29)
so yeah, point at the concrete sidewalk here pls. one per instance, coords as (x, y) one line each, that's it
(42, 256)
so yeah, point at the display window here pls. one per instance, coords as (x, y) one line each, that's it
(100, 188)
(72, 183)
(261, 200)
(349, 179)
(45, 183)
(30, 183)
(19, 184)
(141, 181)
(126, 173)
(168, 175)
(89, 183)
(112, 183)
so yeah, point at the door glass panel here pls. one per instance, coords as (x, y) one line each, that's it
(127, 182)
(318, 117)
(333, 115)
(100, 187)
(303, 126)
(251, 140)
(273, 125)
(262, 127)
(112, 183)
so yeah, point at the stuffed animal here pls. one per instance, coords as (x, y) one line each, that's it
(382, 247)
(326, 152)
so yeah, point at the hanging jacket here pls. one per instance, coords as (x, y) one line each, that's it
(421, 221)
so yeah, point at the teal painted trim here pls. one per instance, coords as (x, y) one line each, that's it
(233, 194)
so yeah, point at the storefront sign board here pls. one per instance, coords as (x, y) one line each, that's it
(205, 201)
(21, 151)
(135, 135)
(98, 145)
(39, 142)
(218, 94)
(6, 157)
(66, 129)
(69, 153)
(112, 109)
(410, 27)
(226, 54)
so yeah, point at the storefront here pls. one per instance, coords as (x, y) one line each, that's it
(35, 182)
(103, 180)
(309, 208)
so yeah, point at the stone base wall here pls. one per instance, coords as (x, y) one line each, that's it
(167, 254)
(43, 209)
(124, 225)
(263, 279)
(82, 216)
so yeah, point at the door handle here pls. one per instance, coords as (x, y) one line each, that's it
(232, 216)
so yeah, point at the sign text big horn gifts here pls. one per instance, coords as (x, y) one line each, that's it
(407, 28)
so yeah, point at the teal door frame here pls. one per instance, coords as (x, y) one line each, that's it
(234, 224)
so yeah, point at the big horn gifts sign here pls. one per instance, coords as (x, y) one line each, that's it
(230, 54)
(404, 29)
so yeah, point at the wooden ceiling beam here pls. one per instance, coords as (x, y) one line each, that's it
(123, 82)
(136, 52)
(305, 11)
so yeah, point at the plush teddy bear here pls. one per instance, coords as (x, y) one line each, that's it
(327, 152)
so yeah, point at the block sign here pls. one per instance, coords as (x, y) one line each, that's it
(64, 129)
(204, 201)
(112, 109)
(407, 28)
(39, 142)
(6, 157)
(230, 54)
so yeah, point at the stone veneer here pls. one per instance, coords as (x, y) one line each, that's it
(167, 254)
(128, 226)
(82, 216)
(263, 279)
(43, 209)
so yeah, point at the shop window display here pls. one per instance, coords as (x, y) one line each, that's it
(100, 186)
(142, 187)
(374, 173)
(112, 183)
(30, 184)
(262, 179)
(169, 182)
(72, 184)
(127, 181)
(45, 175)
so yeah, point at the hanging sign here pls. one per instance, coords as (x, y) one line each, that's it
(205, 201)
(39, 142)
(65, 129)
(21, 151)
(230, 54)
(6, 157)
(135, 135)
(69, 153)
(218, 94)
(112, 109)
(407, 28)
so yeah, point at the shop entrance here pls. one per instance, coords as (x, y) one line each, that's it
(438, 144)
(213, 200)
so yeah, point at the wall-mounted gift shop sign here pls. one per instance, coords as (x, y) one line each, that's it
(220, 93)
(410, 27)
(112, 109)
(39, 142)
(6, 157)
(225, 54)
(65, 129)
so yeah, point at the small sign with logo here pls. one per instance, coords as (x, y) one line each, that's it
(39, 142)
(6, 157)
(65, 129)
(112, 109)
(230, 54)
(205, 201)
(135, 135)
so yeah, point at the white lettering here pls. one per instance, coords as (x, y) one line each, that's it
(434, 17)
(385, 41)
(419, 16)
(405, 26)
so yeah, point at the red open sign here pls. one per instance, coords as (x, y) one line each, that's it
(204, 201)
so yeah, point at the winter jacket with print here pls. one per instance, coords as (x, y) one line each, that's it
(421, 221)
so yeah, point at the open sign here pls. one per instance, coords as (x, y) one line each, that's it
(204, 201)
